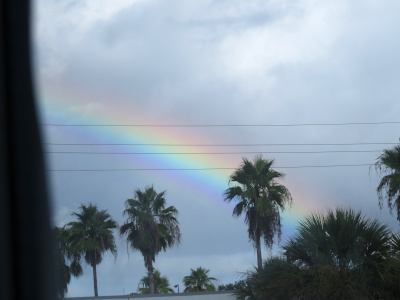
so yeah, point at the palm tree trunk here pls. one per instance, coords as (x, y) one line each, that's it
(151, 277)
(95, 280)
(258, 247)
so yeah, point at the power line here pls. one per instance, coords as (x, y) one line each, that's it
(137, 169)
(219, 125)
(210, 153)
(201, 169)
(212, 145)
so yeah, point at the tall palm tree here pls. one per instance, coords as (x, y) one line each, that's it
(389, 186)
(260, 197)
(161, 284)
(67, 261)
(150, 226)
(91, 235)
(198, 281)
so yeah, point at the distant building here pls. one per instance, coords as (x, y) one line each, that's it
(220, 295)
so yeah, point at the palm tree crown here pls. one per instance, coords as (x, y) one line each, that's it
(260, 197)
(389, 187)
(91, 235)
(198, 281)
(161, 284)
(150, 226)
(342, 238)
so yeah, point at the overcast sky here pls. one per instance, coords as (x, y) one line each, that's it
(148, 62)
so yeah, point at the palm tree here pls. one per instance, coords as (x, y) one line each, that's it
(260, 197)
(67, 261)
(353, 250)
(150, 226)
(161, 284)
(198, 281)
(342, 238)
(389, 187)
(91, 236)
(337, 255)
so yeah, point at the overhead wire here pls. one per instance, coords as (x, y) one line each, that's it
(217, 153)
(220, 125)
(201, 169)
(215, 145)
(210, 153)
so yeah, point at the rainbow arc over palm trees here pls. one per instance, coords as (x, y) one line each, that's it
(70, 105)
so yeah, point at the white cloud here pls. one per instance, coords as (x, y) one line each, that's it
(58, 26)
(300, 37)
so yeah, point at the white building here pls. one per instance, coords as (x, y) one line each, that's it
(220, 295)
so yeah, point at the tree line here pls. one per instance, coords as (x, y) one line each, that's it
(339, 254)
(150, 227)
(341, 248)
(197, 281)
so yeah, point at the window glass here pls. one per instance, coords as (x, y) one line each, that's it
(173, 94)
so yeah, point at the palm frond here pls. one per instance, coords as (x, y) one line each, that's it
(389, 186)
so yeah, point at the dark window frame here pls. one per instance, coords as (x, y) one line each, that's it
(26, 270)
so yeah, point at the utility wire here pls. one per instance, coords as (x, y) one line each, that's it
(201, 169)
(212, 145)
(209, 153)
(218, 125)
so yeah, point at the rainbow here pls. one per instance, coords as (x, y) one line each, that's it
(63, 104)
